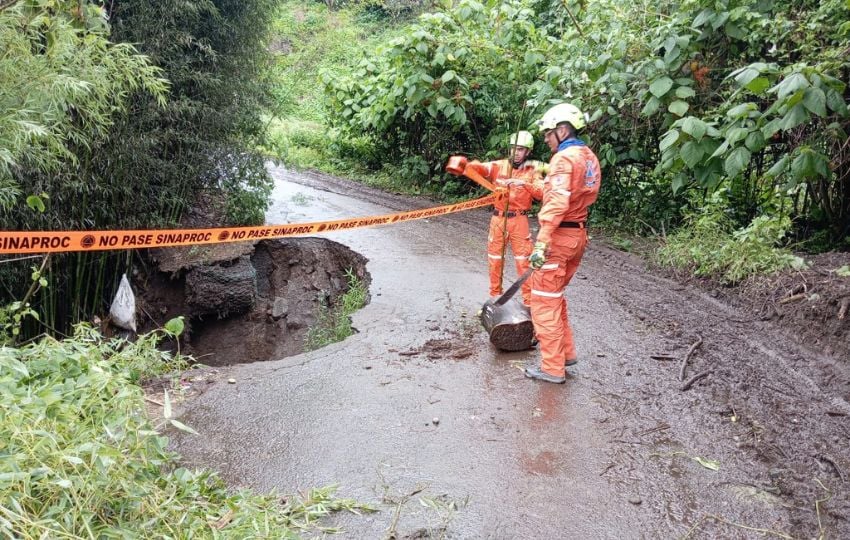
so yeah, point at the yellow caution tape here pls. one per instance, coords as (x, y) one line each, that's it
(16, 242)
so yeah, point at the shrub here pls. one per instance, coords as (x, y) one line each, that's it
(79, 457)
(709, 246)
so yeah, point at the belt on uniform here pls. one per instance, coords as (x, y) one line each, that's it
(511, 213)
(573, 224)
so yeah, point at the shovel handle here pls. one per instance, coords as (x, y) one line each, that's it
(476, 177)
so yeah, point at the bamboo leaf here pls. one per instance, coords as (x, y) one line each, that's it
(166, 405)
(183, 427)
(708, 463)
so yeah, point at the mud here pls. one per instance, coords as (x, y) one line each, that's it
(448, 444)
(454, 347)
(780, 407)
(258, 306)
(813, 304)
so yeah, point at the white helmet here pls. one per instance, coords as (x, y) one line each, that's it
(522, 138)
(564, 112)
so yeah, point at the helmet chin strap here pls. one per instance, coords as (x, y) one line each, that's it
(558, 137)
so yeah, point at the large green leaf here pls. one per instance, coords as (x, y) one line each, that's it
(814, 99)
(746, 75)
(809, 164)
(735, 134)
(755, 141)
(736, 161)
(790, 84)
(694, 127)
(758, 85)
(669, 139)
(678, 107)
(660, 87)
(836, 102)
(691, 153)
(741, 111)
(794, 117)
(704, 16)
(651, 106)
(779, 167)
(685, 92)
(679, 182)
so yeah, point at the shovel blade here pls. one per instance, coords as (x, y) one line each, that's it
(502, 300)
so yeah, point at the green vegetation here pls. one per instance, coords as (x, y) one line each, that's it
(686, 98)
(311, 42)
(333, 321)
(61, 80)
(80, 459)
(99, 134)
(709, 246)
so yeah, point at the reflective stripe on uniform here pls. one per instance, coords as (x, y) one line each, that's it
(548, 294)
(520, 257)
(494, 256)
(562, 192)
(550, 266)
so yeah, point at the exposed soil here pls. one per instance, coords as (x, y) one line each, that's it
(257, 306)
(812, 304)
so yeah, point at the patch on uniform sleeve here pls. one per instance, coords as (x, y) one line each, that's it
(558, 181)
(589, 173)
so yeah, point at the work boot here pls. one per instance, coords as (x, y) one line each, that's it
(534, 372)
(572, 362)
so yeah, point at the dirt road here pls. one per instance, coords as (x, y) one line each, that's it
(419, 416)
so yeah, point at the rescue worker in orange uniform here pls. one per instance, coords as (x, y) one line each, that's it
(570, 187)
(521, 178)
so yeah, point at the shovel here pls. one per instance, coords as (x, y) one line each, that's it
(509, 323)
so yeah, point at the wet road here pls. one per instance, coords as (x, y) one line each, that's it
(449, 444)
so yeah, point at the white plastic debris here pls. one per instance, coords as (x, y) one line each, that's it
(123, 309)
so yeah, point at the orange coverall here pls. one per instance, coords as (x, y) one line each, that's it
(525, 186)
(568, 190)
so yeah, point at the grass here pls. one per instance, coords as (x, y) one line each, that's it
(80, 459)
(333, 322)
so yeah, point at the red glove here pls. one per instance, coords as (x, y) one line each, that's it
(456, 165)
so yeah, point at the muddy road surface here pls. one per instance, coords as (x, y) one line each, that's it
(419, 416)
